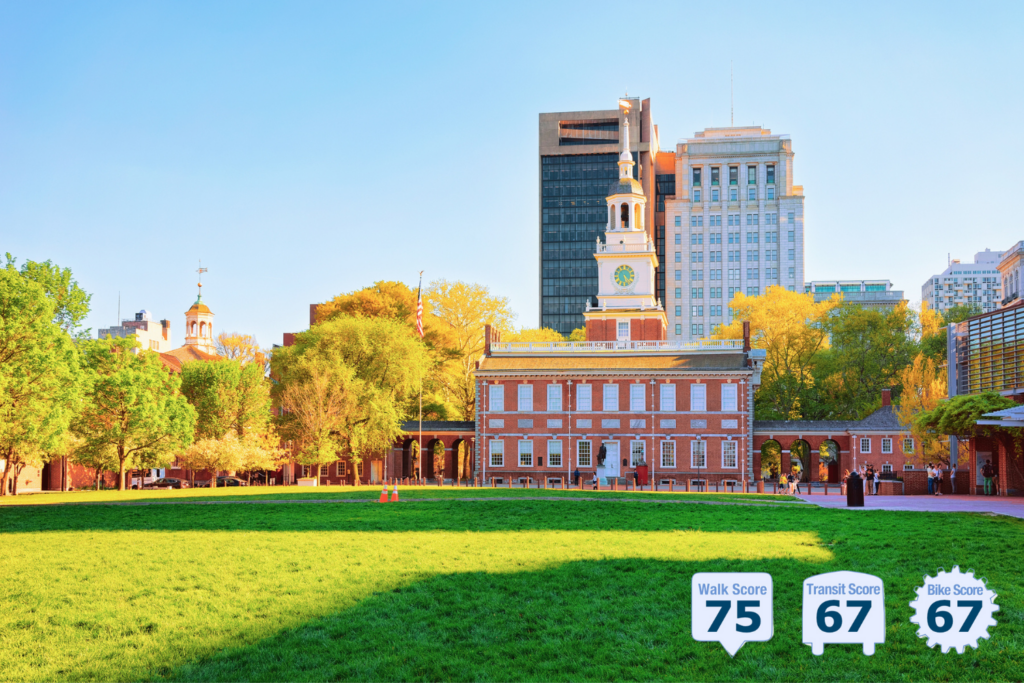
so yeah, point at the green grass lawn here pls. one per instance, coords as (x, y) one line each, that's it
(489, 590)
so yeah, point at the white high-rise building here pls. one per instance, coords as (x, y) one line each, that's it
(736, 224)
(961, 284)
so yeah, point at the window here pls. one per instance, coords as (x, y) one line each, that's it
(791, 217)
(679, 329)
(679, 238)
(325, 470)
(698, 397)
(696, 311)
(679, 221)
(525, 398)
(751, 194)
(729, 397)
(679, 254)
(359, 470)
(497, 398)
(623, 329)
(305, 471)
(753, 255)
(698, 454)
(696, 177)
(697, 293)
(555, 398)
(637, 453)
(716, 293)
(679, 293)
(696, 239)
(792, 272)
(679, 276)
(583, 398)
(668, 397)
(792, 236)
(715, 312)
(771, 192)
(770, 171)
(497, 453)
(715, 221)
(668, 453)
(886, 446)
(583, 454)
(752, 175)
(696, 195)
(637, 403)
(908, 445)
(679, 311)
(526, 454)
(696, 275)
(554, 453)
(865, 445)
(908, 467)
(729, 458)
(734, 175)
(715, 172)
(792, 254)
(341, 468)
(697, 257)
(696, 330)
(751, 291)
(733, 194)
(714, 194)
(886, 468)
(611, 398)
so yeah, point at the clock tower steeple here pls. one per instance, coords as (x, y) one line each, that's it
(627, 307)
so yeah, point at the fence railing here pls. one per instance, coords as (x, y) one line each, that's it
(730, 345)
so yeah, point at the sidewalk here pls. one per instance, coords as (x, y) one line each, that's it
(1012, 507)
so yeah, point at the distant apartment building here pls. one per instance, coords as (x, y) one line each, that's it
(150, 334)
(734, 224)
(578, 163)
(875, 295)
(962, 284)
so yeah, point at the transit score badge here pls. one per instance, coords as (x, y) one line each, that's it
(732, 608)
(954, 610)
(843, 607)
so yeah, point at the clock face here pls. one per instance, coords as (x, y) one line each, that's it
(624, 276)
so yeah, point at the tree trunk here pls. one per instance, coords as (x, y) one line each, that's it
(3, 480)
(99, 471)
(213, 479)
(120, 471)
(17, 472)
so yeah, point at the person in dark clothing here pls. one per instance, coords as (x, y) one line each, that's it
(576, 477)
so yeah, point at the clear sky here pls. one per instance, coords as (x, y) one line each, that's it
(305, 149)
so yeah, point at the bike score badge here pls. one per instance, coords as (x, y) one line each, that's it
(953, 610)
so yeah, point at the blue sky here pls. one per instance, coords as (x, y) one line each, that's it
(304, 149)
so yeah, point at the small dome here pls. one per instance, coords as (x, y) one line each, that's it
(145, 315)
(198, 307)
(626, 186)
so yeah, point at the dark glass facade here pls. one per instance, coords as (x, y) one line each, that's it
(574, 214)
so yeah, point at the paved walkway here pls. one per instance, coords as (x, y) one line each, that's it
(1013, 507)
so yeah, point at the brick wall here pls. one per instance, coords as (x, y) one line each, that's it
(916, 482)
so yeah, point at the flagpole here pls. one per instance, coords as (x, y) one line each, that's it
(419, 326)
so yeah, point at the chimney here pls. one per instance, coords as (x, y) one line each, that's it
(746, 336)
(885, 398)
(166, 325)
(487, 340)
(312, 314)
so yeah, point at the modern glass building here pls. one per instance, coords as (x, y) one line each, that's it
(578, 152)
(989, 352)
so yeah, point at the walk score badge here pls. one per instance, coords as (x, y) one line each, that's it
(843, 607)
(954, 610)
(732, 608)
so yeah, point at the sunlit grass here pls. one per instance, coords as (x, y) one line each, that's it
(490, 590)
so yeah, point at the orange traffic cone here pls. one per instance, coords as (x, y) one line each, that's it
(394, 493)
(384, 494)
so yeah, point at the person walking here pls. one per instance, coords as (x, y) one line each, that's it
(931, 479)
(877, 479)
(576, 477)
(783, 484)
(987, 471)
(594, 482)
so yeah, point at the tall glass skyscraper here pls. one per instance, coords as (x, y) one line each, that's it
(578, 155)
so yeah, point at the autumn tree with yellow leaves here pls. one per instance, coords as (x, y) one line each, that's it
(924, 387)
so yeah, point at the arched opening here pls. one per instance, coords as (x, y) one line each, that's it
(624, 217)
(192, 329)
(800, 460)
(456, 468)
(638, 222)
(771, 459)
(202, 329)
(611, 217)
(433, 463)
(408, 465)
(828, 462)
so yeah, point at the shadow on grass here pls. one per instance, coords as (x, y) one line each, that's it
(612, 619)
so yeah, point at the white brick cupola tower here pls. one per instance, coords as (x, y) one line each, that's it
(627, 304)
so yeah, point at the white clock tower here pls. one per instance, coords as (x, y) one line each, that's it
(627, 305)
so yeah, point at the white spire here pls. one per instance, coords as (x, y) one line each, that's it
(626, 154)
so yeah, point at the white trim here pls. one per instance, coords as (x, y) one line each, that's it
(633, 462)
(491, 453)
(860, 444)
(554, 398)
(524, 396)
(590, 453)
(557, 442)
(610, 396)
(520, 453)
(733, 399)
(702, 446)
(698, 398)
(736, 455)
(672, 464)
(886, 441)
(637, 395)
(496, 398)
(667, 402)
(586, 390)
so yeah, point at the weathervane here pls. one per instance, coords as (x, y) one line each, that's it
(201, 270)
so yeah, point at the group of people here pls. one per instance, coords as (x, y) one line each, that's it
(934, 478)
(789, 485)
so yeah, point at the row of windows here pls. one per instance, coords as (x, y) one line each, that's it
(341, 469)
(610, 397)
(734, 194)
(715, 220)
(696, 174)
(637, 454)
(865, 446)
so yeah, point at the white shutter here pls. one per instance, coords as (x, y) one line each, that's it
(668, 397)
(698, 397)
(636, 398)
(497, 398)
(728, 397)
(525, 398)
(611, 398)
(583, 398)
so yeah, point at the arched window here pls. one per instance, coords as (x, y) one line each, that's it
(202, 329)
(624, 216)
(611, 217)
(638, 222)
(192, 330)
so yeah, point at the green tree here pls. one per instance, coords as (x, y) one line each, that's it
(39, 375)
(133, 404)
(867, 352)
(579, 334)
(70, 302)
(958, 416)
(934, 328)
(343, 386)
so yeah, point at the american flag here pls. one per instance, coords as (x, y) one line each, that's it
(419, 307)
